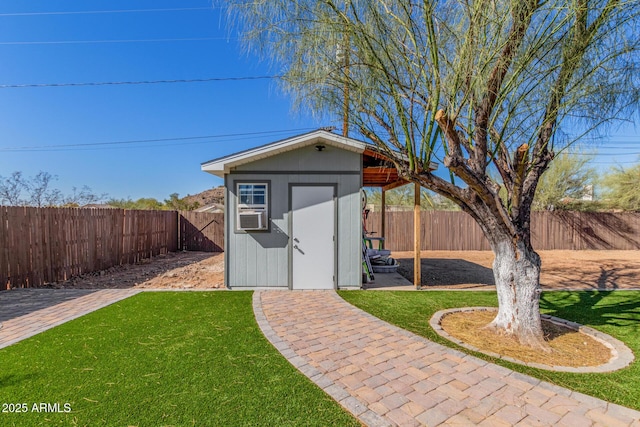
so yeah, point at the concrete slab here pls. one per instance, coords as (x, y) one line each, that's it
(389, 282)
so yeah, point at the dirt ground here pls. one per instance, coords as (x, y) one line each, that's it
(560, 269)
(179, 270)
(442, 269)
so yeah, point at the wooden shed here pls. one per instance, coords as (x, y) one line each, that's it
(293, 214)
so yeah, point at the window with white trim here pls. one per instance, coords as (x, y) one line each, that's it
(253, 206)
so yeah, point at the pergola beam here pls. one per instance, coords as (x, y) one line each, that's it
(394, 185)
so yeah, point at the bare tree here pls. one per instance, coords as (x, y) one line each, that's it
(37, 191)
(11, 189)
(81, 196)
(488, 87)
(40, 191)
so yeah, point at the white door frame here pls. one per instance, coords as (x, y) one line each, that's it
(292, 243)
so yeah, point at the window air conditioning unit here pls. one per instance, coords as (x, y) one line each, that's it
(252, 220)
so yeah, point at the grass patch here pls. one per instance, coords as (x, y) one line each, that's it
(614, 313)
(159, 359)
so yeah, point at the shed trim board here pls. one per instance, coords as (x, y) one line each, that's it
(294, 257)
(250, 181)
(289, 172)
(226, 231)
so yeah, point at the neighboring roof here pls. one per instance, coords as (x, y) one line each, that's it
(214, 207)
(223, 165)
(99, 206)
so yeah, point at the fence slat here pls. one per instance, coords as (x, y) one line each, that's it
(44, 245)
(201, 231)
(455, 231)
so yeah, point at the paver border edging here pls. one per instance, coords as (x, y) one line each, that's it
(357, 408)
(621, 355)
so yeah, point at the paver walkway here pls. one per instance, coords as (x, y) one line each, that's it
(26, 312)
(387, 376)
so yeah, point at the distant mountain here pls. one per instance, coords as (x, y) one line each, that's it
(207, 197)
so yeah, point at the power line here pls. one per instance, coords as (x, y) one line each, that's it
(596, 154)
(138, 141)
(92, 12)
(111, 41)
(614, 163)
(143, 82)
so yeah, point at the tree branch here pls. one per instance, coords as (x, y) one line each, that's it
(522, 13)
(572, 57)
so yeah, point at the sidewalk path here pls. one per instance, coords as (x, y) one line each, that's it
(387, 376)
(26, 312)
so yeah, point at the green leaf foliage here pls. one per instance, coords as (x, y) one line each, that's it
(621, 188)
(569, 179)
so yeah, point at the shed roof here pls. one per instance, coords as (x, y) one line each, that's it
(223, 165)
(377, 170)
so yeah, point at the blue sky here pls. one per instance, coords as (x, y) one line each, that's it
(48, 117)
(84, 134)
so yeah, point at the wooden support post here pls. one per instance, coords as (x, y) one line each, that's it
(417, 273)
(383, 221)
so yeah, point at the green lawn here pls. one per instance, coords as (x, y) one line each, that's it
(615, 313)
(161, 359)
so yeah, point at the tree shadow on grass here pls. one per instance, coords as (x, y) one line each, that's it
(12, 380)
(448, 272)
(596, 308)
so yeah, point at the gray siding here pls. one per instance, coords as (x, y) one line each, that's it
(307, 159)
(260, 259)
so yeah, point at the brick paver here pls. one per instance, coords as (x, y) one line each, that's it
(27, 312)
(387, 376)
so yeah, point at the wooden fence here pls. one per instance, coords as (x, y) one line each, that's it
(201, 231)
(457, 231)
(44, 245)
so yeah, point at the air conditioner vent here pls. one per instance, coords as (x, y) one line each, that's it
(252, 220)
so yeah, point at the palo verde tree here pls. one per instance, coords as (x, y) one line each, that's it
(489, 89)
(622, 188)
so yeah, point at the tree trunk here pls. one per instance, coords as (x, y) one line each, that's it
(516, 270)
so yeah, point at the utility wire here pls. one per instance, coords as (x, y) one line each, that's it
(597, 154)
(93, 12)
(137, 141)
(143, 82)
(111, 41)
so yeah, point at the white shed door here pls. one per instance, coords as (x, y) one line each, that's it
(313, 227)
